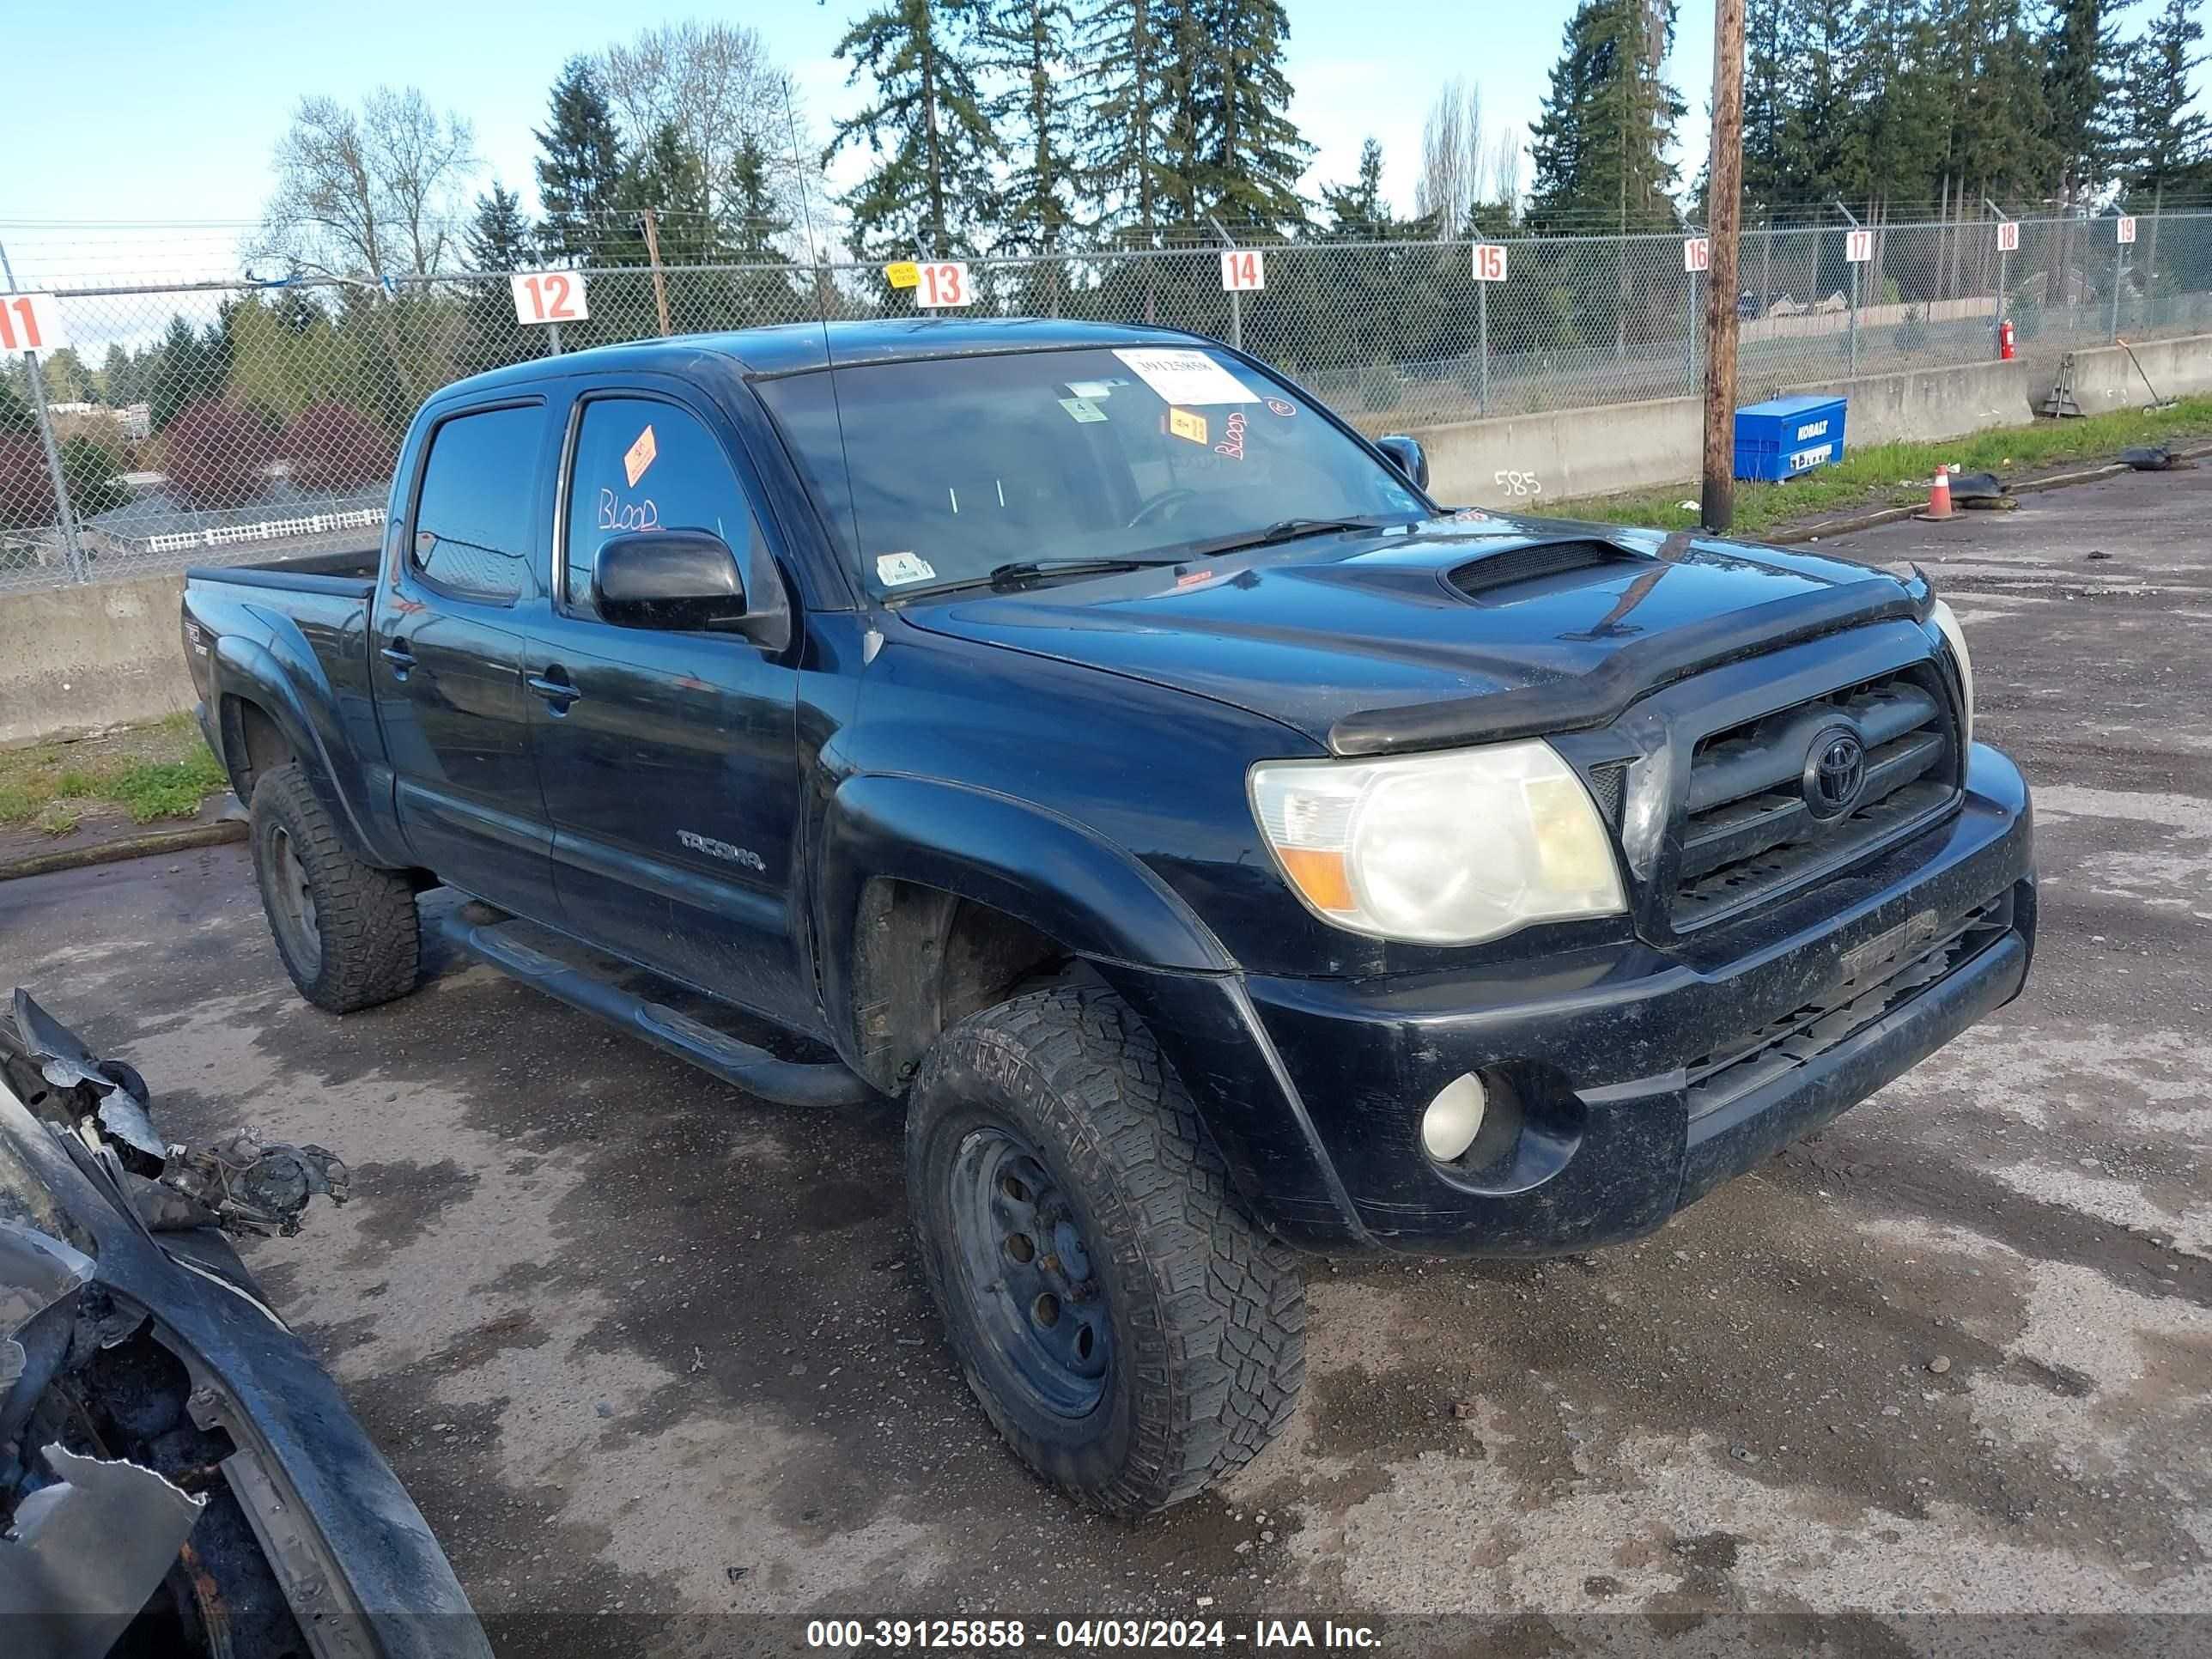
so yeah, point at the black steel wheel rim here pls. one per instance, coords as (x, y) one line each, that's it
(1027, 1273)
(295, 899)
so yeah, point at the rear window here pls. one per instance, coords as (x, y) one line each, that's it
(474, 520)
(940, 471)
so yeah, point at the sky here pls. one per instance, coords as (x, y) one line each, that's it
(176, 126)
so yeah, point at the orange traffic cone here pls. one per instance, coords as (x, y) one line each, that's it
(1939, 495)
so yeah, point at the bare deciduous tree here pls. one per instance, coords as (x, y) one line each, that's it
(1451, 157)
(717, 86)
(375, 193)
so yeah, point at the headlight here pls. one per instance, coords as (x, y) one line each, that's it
(1447, 849)
(1955, 637)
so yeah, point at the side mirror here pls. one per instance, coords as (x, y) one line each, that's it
(679, 579)
(1407, 456)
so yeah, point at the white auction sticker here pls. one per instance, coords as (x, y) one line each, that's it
(896, 570)
(1181, 376)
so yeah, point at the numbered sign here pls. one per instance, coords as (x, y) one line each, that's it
(1858, 246)
(1697, 253)
(2008, 236)
(2126, 226)
(1242, 270)
(549, 296)
(31, 322)
(942, 284)
(1489, 262)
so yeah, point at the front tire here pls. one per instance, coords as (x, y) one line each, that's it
(347, 933)
(1127, 1327)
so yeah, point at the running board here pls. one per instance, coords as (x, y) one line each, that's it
(789, 1082)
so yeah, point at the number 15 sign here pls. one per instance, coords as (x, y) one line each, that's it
(549, 296)
(31, 322)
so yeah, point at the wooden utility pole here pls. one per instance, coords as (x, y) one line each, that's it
(661, 282)
(1725, 223)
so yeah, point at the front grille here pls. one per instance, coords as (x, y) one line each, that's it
(1750, 832)
(1887, 972)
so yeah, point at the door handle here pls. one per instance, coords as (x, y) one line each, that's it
(399, 657)
(560, 693)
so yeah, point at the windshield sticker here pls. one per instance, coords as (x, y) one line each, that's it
(1093, 389)
(1281, 406)
(618, 514)
(1182, 423)
(1232, 442)
(896, 570)
(1082, 410)
(1185, 377)
(639, 456)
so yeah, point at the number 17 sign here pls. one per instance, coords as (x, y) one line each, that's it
(549, 296)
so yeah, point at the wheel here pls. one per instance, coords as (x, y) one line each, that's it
(1128, 1329)
(347, 931)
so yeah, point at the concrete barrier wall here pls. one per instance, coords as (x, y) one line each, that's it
(73, 660)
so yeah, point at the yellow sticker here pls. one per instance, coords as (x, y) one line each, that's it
(904, 273)
(1184, 424)
(639, 456)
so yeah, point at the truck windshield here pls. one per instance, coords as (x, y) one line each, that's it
(943, 471)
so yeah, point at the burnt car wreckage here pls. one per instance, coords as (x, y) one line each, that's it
(177, 1475)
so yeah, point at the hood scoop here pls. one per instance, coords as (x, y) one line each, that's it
(1492, 579)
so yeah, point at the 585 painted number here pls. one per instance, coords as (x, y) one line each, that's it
(31, 322)
(549, 296)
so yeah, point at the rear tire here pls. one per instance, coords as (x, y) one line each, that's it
(347, 933)
(1126, 1326)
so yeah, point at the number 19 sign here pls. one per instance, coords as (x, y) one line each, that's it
(549, 296)
(31, 322)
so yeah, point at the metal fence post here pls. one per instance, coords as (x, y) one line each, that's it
(1690, 356)
(2119, 275)
(62, 514)
(1855, 317)
(1482, 328)
(1235, 299)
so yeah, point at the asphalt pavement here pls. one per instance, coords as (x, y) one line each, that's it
(654, 1358)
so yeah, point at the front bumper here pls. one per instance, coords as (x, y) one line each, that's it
(1649, 1077)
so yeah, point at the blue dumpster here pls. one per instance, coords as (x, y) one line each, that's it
(1784, 436)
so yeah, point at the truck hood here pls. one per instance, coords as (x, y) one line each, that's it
(1451, 631)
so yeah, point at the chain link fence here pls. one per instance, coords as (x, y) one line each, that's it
(237, 421)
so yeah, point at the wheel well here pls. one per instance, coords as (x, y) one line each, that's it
(252, 744)
(925, 960)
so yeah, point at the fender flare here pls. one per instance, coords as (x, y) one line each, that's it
(248, 671)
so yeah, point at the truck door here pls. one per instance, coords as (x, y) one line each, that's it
(447, 663)
(670, 760)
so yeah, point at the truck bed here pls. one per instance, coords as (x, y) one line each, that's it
(348, 572)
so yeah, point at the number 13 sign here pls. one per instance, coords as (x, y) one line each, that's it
(549, 296)
(31, 322)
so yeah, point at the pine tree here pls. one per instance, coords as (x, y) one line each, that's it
(1765, 101)
(2081, 75)
(2164, 140)
(931, 189)
(1250, 154)
(1124, 173)
(1357, 209)
(1027, 43)
(498, 238)
(752, 219)
(1600, 145)
(579, 167)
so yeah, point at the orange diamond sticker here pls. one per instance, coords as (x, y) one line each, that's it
(639, 456)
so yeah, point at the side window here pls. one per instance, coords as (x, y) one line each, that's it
(644, 464)
(472, 521)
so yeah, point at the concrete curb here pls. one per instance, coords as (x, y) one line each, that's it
(127, 847)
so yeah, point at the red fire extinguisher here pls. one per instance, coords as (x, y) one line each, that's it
(2004, 340)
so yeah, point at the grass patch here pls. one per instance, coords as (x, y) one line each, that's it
(162, 770)
(1897, 475)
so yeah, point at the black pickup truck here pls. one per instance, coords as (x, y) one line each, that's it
(1084, 735)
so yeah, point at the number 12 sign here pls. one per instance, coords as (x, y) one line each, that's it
(31, 322)
(549, 296)
(1242, 270)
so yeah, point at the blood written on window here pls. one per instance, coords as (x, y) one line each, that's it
(472, 520)
(644, 464)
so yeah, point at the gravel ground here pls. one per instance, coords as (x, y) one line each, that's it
(648, 1349)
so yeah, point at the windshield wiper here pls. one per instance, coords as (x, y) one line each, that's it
(1029, 569)
(1290, 530)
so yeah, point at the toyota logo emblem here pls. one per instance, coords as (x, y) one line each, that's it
(1835, 772)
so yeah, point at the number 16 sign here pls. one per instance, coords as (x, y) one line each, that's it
(549, 296)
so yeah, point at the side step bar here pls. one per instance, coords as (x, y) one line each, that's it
(790, 1082)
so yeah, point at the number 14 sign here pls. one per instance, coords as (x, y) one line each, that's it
(1242, 270)
(549, 296)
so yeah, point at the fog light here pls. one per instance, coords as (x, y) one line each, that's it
(1454, 1118)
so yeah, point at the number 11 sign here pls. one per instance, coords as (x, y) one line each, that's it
(549, 296)
(31, 322)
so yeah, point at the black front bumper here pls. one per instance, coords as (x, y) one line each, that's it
(1647, 1078)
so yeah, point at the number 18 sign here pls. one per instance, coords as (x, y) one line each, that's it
(549, 296)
